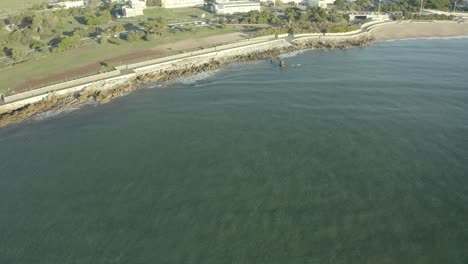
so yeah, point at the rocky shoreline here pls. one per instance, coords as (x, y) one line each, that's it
(54, 102)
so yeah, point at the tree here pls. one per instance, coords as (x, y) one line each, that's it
(15, 37)
(117, 28)
(148, 37)
(19, 53)
(263, 17)
(340, 4)
(253, 17)
(29, 37)
(82, 33)
(317, 14)
(97, 19)
(278, 3)
(438, 4)
(92, 31)
(157, 26)
(103, 39)
(38, 46)
(303, 17)
(222, 22)
(68, 43)
(291, 14)
(134, 36)
(275, 20)
(44, 22)
(363, 4)
(153, 3)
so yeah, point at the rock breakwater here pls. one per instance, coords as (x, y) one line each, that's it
(105, 93)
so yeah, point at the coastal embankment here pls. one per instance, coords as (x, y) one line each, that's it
(126, 78)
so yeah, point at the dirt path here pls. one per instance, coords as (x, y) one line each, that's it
(153, 53)
(58, 77)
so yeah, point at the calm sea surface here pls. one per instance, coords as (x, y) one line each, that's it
(358, 156)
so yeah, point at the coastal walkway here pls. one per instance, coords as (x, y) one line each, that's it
(128, 71)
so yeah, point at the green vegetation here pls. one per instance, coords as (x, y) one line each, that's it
(68, 43)
(312, 20)
(53, 63)
(176, 15)
(86, 35)
(264, 17)
(156, 26)
(8, 6)
(153, 3)
(97, 18)
(397, 5)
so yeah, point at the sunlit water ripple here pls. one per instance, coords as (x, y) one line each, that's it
(357, 156)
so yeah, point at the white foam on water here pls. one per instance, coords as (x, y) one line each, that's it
(195, 79)
(292, 54)
(188, 80)
(153, 85)
(52, 113)
(56, 112)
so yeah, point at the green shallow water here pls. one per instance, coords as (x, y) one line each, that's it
(358, 156)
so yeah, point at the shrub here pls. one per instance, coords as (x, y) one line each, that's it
(133, 36)
(115, 41)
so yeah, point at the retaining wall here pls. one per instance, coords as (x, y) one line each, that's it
(203, 58)
(111, 79)
(100, 84)
(197, 52)
(60, 86)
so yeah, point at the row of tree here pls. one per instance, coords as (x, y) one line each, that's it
(39, 30)
(396, 5)
(153, 3)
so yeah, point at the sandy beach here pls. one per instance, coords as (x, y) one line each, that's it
(420, 30)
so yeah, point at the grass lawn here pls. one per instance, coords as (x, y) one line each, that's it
(54, 63)
(177, 14)
(7, 6)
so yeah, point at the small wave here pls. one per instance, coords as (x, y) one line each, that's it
(194, 79)
(57, 112)
(53, 113)
(292, 54)
(154, 85)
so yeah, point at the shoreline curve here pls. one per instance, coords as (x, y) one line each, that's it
(127, 78)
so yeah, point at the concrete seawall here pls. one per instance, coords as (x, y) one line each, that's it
(127, 73)
(60, 86)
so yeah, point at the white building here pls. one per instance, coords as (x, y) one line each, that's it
(319, 3)
(182, 3)
(232, 7)
(305, 2)
(134, 8)
(69, 4)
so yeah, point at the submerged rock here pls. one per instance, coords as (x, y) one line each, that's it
(96, 94)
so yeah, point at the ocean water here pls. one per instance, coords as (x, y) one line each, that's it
(357, 156)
